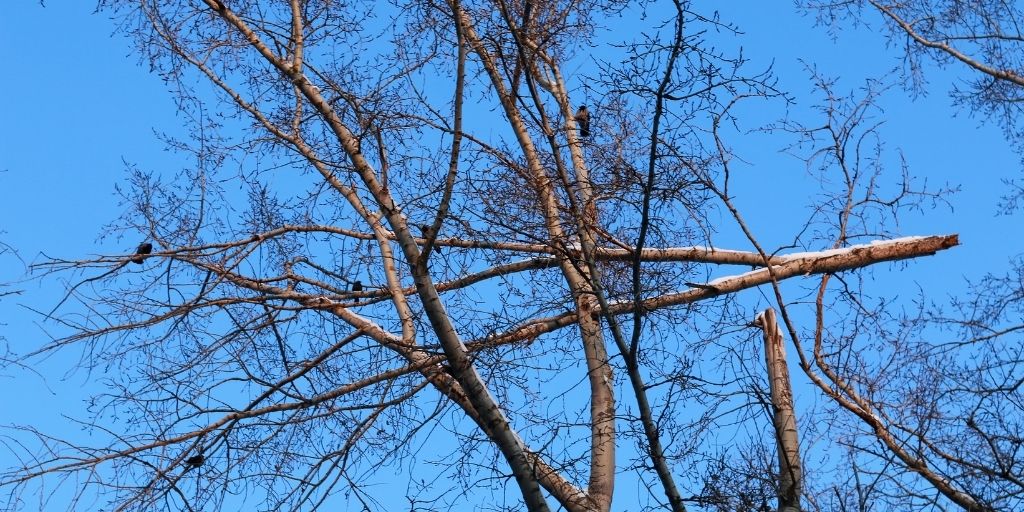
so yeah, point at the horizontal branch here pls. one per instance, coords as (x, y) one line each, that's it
(807, 263)
(792, 265)
(691, 254)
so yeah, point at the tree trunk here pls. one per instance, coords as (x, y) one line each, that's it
(784, 418)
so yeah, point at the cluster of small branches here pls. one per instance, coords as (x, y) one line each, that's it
(396, 249)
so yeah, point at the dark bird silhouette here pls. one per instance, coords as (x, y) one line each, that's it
(357, 287)
(583, 120)
(140, 253)
(195, 461)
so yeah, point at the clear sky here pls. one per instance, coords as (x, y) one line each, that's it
(76, 106)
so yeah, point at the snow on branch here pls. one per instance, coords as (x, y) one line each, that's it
(807, 263)
(784, 267)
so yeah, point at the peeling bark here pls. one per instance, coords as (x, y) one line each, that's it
(783, 416)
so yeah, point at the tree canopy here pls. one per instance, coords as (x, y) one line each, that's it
(401, 245)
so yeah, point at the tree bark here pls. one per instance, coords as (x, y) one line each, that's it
(783, 416)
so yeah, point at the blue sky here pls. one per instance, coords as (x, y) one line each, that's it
(79, 108)
(76, 105)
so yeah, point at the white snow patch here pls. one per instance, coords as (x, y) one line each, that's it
(720, 280)
(786, 258)
(841, 250)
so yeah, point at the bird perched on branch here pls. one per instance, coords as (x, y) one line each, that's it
(141, 252)
(195, 461)
(582, 118)
(140, 255)
(357, 287)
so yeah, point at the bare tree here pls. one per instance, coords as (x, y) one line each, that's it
(395, 232)
(973, 380)
(984, 38)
